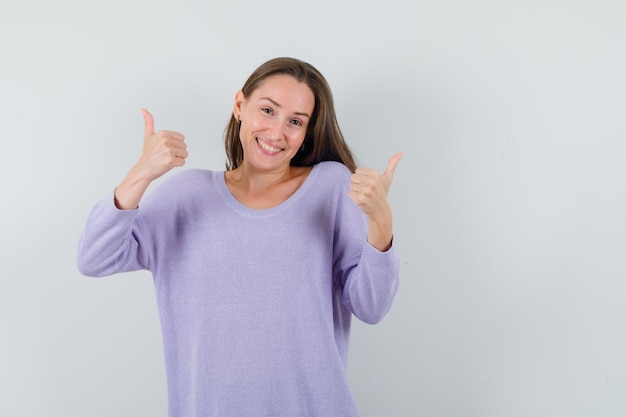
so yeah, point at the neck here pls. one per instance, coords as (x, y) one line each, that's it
(261, 190)
(257, 181)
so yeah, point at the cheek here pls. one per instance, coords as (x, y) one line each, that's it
(296, 140)
(246, 129)
(252, 124)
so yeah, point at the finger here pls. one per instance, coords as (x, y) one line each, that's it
(356, 197)
(178, 143)
(364, 174)
(391, 166)
(170, 134)
(176, 135)
(149, 120)
(358, 177)
(180, 153)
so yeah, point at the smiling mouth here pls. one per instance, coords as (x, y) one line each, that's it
(267, 147)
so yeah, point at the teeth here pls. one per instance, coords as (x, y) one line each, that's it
(268, 147)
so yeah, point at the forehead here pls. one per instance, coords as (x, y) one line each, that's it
(286, 91)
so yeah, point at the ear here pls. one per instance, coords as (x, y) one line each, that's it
(240, 99)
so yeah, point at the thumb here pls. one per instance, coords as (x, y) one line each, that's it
(147, 117)
(391, 166)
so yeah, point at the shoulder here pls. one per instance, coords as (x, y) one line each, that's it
(185, 179)
(180, 186)
(328, 170)
(192, 175)
(330, 180)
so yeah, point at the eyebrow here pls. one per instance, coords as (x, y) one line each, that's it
(279, 106)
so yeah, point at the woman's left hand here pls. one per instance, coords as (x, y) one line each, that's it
(369, 189)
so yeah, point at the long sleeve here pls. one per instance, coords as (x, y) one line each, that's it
(371, 284)
(109, 242)
(370, 278)
(255, 305)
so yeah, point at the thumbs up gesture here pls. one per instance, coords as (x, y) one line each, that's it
(369, 189)
(162, 150)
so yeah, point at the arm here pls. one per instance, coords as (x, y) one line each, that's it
(369, 268)
(369, 190)
(370, 283)
(109, 243)
(161, 152)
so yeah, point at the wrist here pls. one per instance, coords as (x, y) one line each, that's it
(380, 235)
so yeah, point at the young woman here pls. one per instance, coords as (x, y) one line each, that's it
(259, 268)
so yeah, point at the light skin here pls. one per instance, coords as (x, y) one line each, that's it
(274, 120)
(162, 151)
(369, 189)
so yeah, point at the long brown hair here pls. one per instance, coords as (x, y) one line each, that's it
(323, 141)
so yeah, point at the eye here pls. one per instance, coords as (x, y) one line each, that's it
(296, 122)
(267, 110)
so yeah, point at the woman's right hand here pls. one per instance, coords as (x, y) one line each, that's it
(162, 151)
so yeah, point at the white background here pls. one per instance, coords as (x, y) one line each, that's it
(509, 205)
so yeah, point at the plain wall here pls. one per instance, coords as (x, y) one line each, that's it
(509, 205)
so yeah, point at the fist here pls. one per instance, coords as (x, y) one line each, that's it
(162, 150)
(369, 188)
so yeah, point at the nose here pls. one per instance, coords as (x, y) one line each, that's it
(276, 129)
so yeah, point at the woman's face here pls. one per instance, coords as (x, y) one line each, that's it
(274, 121)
